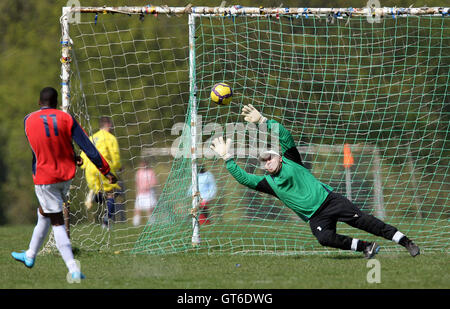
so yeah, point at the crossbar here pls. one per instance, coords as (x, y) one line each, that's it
(262, 11)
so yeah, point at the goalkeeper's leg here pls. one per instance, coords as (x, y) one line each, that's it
(338, 208)
(323, 227)
(354, 217)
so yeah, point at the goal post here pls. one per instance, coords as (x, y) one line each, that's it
(193, 125)
(375, 79)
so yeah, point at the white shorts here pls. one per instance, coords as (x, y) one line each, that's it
(145, 201)
(51, 197)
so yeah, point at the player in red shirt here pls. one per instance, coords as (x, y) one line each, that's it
(50, 133)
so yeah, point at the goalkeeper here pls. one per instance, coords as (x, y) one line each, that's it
(312, 200)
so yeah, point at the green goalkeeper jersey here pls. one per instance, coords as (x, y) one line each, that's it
(294, 185)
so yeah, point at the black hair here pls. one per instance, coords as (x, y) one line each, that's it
(105, 120)
(49, 97)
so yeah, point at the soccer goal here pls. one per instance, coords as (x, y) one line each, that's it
(364, 92)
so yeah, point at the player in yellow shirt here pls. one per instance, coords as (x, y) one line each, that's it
(107, 145)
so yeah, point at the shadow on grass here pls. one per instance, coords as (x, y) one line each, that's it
(344, 257)
(330, 256)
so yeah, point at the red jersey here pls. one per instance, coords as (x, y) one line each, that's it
(50, 133)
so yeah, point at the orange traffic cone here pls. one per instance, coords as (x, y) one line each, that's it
(348, 158)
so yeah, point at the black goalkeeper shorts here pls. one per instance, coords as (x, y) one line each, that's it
(337, 208)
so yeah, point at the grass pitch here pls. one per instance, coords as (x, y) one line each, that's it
(339, 270)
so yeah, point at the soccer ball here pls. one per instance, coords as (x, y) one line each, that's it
(221, 94)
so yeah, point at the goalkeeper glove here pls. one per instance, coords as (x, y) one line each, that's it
(222, 148)
(251, 114)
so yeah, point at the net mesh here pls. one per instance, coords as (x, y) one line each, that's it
(379, 88)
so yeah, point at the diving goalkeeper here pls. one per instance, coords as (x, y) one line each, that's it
(312, 200)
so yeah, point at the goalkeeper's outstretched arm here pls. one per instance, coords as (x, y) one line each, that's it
(256, 182)
(222, 149)
(287, 143)
(241, 176)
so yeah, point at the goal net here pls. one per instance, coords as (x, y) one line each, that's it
(364, 95)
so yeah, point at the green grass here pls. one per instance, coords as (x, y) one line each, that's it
(339, 270)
